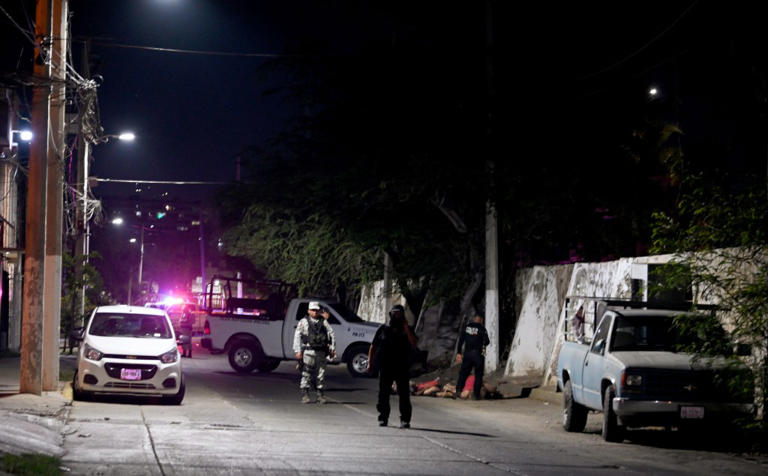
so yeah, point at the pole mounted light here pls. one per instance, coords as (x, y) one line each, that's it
(117, 221)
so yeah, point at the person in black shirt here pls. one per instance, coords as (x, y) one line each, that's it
(389, 353)
(473, 341)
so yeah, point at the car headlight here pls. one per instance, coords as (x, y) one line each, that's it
(170, 357)
(633, 380)
(92, 354)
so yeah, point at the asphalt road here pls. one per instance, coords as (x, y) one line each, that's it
(255, 424)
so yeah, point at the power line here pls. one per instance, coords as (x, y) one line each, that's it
(646, 45)
(161, 182)
(192, 52)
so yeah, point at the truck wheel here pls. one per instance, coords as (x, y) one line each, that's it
(574, 414)
(357, 364)
(244, 355)
(267, 365)
(612, 431)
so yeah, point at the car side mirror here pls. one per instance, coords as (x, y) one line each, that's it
(599, 346)
(77, 333)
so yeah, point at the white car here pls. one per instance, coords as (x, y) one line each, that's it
(129, 350)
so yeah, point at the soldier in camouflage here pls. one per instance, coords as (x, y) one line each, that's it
(313, 342)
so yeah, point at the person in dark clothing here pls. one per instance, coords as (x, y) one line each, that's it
(389, 353)
(473, 341)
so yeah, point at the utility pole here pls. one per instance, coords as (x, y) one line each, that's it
(83, 163)
(491, 227)
(31, 372)
(55, 201)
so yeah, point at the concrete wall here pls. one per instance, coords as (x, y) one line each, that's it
(543, 290)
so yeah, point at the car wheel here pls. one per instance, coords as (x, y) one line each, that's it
(612, 431)
(574, 414)
(78, 394)
(357, 364)
(177, 398)
(244, 355)
(267, 365)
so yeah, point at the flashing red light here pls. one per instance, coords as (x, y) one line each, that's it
(207, 329)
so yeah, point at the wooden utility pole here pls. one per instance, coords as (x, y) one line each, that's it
(55, 201)
(31, 373)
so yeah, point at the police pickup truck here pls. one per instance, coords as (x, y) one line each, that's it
(633, 372)
(257, 332)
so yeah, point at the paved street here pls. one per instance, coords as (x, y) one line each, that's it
(254, 424)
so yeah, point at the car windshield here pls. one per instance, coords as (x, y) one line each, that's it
(649, 333)
(129, 325)
(345, 313)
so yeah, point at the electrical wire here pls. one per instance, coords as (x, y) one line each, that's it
(642, 48)
(193, 52)
(160, 182)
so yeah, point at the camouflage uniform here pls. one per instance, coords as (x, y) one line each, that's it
(313, 360)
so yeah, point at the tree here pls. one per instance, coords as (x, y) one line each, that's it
(719, 234)
(76, 275)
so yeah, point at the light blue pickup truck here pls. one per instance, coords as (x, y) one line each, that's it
(632, 372)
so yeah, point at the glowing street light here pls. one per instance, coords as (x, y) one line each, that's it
(132, 240)
(653, 92)
(126, 136)
(117, 221)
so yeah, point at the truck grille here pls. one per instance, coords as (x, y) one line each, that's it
(693, 386)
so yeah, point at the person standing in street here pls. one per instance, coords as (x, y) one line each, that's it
(389, 354)
(473, 341)
(313, 342)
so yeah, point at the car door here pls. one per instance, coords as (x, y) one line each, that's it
(594, 364)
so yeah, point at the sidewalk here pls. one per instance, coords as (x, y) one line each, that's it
(31, 423)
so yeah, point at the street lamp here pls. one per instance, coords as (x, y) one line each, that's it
(125, 136)
(25, 135)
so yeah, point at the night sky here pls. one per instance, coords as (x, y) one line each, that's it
(571, 79)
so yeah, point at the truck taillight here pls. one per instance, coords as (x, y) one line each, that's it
(207, 329)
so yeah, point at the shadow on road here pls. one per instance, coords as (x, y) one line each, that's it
(452, 432)
(718, 439)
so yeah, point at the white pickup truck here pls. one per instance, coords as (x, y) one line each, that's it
(634, 372)
(257, 334)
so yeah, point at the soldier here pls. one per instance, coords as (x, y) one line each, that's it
(313, 342)
(473, 340)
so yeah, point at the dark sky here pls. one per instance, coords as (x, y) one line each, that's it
(194, 113)
(571, 79)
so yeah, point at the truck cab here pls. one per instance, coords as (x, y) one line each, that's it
(256, 324)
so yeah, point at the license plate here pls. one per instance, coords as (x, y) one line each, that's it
(692, 413)
(130, 374)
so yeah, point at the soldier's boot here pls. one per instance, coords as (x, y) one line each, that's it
(321, 397)
(305, 396)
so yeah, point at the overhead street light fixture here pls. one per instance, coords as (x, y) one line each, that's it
(126, 136)
(117, 221)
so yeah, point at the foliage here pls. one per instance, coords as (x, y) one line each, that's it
(720, 235)
(76, 274)
(365, 169)
(30, 464)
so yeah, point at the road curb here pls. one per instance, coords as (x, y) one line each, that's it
(547, 394)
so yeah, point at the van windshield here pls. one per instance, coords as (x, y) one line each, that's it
(129, 325)
(345, 313)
